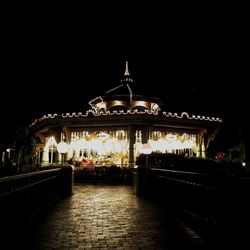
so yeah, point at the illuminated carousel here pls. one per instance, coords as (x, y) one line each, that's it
(118, 128)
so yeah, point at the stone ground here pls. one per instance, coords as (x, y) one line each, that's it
(105, 217)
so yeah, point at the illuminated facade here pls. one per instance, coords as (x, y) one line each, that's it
(114, 130)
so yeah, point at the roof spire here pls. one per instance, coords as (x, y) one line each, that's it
(126, 69)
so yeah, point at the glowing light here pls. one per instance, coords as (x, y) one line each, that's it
(51, 142)
(62, 147)
(146, 149)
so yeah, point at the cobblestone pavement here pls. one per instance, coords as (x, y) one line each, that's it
(106, 217)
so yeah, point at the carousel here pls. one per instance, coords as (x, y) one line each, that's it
(118, 127)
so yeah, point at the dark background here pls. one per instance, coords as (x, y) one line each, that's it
(57, 61)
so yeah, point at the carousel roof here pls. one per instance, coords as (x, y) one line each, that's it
(133, 109)
(122, 95)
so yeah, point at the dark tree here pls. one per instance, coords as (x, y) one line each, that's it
(25, 145)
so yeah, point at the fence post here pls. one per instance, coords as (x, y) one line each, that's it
(66, 181)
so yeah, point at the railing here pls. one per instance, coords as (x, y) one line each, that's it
(189, 191)
(24, 196)
(218, 201)
(200, 180)
(16, 183)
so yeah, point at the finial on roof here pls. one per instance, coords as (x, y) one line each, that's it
(126, 69)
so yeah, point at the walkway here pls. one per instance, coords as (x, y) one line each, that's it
(106, 217)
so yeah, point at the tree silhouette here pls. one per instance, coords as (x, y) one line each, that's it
(24, 146)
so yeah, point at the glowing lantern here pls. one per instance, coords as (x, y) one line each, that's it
(146, 149)
(62, 148)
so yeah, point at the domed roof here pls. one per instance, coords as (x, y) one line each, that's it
(121, 97)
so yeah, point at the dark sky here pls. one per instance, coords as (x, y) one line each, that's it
(54, 63)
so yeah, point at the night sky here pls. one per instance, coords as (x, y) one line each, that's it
(194, 63)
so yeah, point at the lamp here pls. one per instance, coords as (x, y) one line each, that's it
(62, 148)
(146, 149)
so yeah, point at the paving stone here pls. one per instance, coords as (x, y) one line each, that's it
(105, 217)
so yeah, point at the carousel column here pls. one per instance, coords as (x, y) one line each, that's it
(69, 139)
(76, 153)
(45, 156)
(198, 143)
(69, 154)
(131, 156)
(58, 158)
(58, 137)
(198, 153)
(203, 149)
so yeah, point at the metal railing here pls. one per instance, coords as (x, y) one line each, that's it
(200, 180)
(221, 202)
(24, 196)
